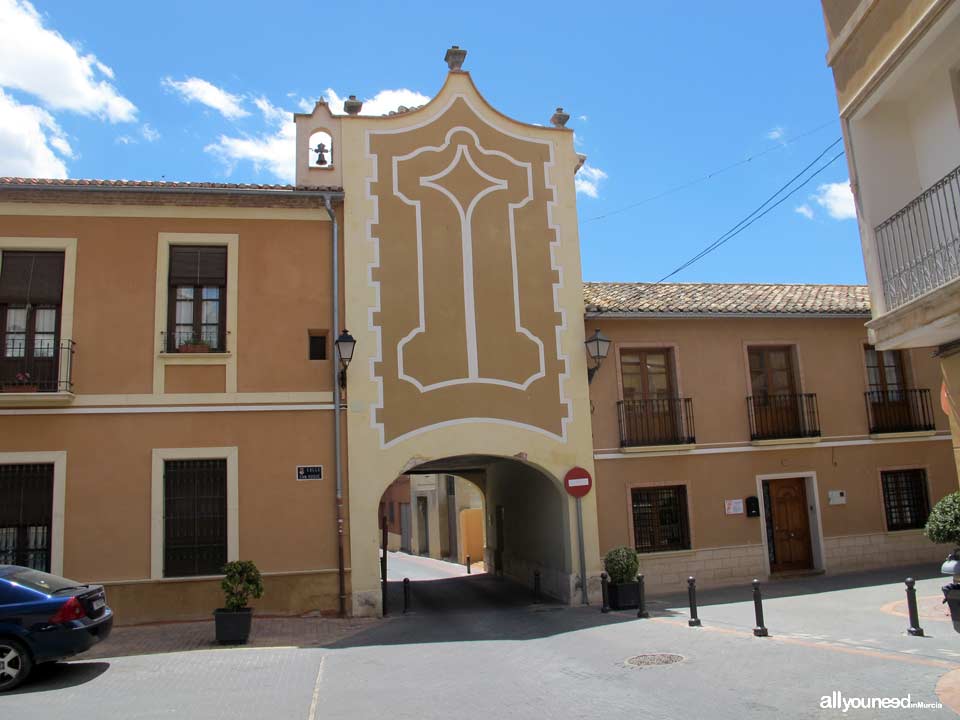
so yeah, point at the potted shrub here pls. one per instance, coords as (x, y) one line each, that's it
(23, 384)
(623, 591)
(195, 345)
(242, 581)
(943, 526)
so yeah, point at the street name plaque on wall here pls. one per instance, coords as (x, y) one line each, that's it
(309, 472)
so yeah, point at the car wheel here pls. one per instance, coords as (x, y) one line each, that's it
(15, 663)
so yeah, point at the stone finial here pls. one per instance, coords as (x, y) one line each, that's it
(454, 58)
(352, 106)
(559, 118)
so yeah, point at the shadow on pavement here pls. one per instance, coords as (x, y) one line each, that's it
(475, 608)
(795, 586)
(58, 676)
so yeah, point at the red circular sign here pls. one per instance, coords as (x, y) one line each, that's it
(578, 482)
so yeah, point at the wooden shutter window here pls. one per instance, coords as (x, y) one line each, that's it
(196, 265)
(31, 278)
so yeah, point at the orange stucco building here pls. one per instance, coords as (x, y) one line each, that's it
(171, 398)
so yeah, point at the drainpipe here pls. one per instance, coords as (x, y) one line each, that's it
(338, 460)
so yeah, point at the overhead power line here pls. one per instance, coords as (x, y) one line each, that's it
(711, 174)
(759, 212)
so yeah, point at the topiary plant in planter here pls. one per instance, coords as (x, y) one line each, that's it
(241, 582)
(622, 564)
(943, 526)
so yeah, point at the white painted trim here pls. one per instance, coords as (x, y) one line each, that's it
(377, 355)
(813, 516)
(201, 578)
(127, 410)
(231, 455)
(162, 359)
(466, 239)
(57, 458)
(245, 398)
(68, 246)
(765, 448)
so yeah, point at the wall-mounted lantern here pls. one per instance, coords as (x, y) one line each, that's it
(598, 345)
(344, 345)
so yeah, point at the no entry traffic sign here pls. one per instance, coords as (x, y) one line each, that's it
(578, 482)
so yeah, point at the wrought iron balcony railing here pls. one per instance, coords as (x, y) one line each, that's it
(919, 247)
(41, 367)
(895, 411)
(780, 417)
(662, 421)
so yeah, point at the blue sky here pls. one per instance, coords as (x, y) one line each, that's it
(659, 95)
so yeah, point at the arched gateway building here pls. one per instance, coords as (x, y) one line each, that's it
(170, 382)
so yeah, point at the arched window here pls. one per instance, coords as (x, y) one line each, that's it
(321, 149)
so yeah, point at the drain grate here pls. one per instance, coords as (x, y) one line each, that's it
(653, 659)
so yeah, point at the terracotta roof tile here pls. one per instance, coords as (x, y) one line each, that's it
(724, 299)
(153, 184)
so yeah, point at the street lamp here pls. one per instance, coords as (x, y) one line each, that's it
(344, 347)
(598, 345)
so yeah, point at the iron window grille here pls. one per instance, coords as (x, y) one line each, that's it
(195, 517)
(905, 499)
(660, 521)
(26, 515)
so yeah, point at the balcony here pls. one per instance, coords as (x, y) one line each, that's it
(662, 421)
(919, 247)
(783, 417)
(899, 411)
(45, 369)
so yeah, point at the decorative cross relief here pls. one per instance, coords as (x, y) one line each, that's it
(470, 329)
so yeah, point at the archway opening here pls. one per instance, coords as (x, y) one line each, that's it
(507, 515)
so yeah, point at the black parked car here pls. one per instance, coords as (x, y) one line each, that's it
(44, 618)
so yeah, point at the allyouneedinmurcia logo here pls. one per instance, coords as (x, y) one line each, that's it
(837, 701)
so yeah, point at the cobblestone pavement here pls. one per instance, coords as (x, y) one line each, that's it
(267, 631)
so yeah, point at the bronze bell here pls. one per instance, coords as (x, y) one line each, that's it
(321, 151)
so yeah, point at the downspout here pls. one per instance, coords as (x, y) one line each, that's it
(338, 460)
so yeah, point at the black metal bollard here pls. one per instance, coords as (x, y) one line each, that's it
(694, 621)
(642, 602)
(605, 607)
(914, 628)
(760, 630)
(536, 586)
(468, 564)
(406, 595)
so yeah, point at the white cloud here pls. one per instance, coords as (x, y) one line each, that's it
(381, 103)
(39, 61)
(588, 180)
(195, 89)
(273, 150)
(776, 133)
(31, 142)
(582, 118)
(837, 199)
(804, 210)
(149, 133)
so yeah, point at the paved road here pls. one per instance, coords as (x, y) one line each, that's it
(519, 660)
(401, 565)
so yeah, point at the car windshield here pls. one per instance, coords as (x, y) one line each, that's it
(41, 581)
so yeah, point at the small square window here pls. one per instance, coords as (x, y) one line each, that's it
(317, 345)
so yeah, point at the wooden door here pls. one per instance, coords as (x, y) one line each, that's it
(791, 525)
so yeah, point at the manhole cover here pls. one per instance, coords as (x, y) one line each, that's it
(651, 659)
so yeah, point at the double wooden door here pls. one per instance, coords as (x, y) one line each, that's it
(791, 525)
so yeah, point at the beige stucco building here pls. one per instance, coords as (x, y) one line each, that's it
(897, 71)
(172, 398)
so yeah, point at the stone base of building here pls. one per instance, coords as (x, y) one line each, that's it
(165, 600)
(668, 572)
(849, 553)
